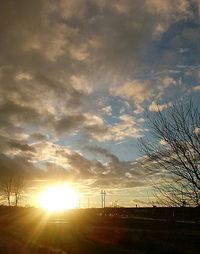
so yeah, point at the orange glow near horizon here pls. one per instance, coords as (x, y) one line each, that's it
(58, 198)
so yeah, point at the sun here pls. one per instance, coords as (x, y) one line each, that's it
(58, 197)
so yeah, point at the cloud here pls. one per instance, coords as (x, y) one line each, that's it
(126, 127)
(197, 131)
(49, 76)
(17, 166)
(102, 151)
(163, 142)
(127, 172)
(46, 160)
(62, 62)
(69, 122)
(29, 40)
(180, 7)
(107, 110)
(94, 127)
(155, 107)
(141, 92)
(85, 168)
(138, 91)
(38, 137)
(196, 88)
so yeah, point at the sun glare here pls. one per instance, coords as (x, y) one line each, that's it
(58, 198)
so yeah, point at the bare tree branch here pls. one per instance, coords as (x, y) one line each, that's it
(173, 146)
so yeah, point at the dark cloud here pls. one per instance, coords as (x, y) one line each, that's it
(20, 146)
(49, 161)
(62, 60)
(8, 144)
(69, 123)
(99, 41)
(55, 172)
(17, 166)
(102, 151)
(85, 168)
(38, 137)
(127, 173)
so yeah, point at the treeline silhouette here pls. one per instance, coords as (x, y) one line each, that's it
(182, 214)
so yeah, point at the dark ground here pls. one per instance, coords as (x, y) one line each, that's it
(29, 230)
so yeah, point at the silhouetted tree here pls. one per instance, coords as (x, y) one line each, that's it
(6, 188)
(173, 148)
(11, 188)
(17, 188)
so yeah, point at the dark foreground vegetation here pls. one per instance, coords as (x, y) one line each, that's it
(136, 231)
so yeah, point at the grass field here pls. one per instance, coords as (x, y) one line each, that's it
(28, 230)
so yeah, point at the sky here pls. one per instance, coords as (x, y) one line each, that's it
(77, 78)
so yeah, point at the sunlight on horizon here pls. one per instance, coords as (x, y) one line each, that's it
(58, 197)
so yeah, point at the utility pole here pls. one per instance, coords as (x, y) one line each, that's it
(103, 198)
